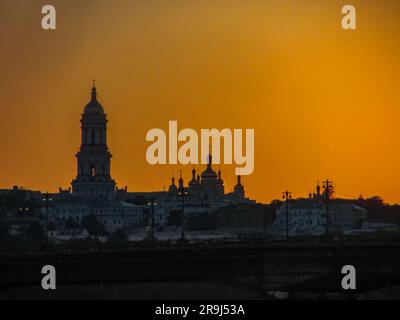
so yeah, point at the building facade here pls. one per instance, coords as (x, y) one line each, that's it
(111, 214)
(313, 217)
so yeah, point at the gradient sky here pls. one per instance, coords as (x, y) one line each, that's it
(324, 102)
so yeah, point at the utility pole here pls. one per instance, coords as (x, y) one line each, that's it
(286, 196)
(328, 194)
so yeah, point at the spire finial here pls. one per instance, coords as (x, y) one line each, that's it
(94, 93)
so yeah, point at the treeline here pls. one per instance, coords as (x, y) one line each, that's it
(378, 210)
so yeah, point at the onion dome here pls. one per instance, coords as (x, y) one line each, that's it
(94, 107)
(181, 181)
(239, 186)
(209, 173)
(193, 182)
(172, 188)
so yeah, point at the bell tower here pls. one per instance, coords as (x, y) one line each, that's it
(93, 178)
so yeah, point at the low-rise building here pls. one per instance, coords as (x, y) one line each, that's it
(313, 217)
(112, 214)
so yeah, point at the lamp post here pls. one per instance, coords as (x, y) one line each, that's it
(287, 196)
(183, 193)
(152, 204)
(47, 199)
(328, 194)
(22, 211)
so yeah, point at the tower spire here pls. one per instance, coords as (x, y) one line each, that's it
(209, 157)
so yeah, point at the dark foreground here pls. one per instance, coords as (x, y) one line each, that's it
(223, 271)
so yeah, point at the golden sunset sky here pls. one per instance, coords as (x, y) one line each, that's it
(324, 102)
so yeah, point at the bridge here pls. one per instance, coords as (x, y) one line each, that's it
(263, 267)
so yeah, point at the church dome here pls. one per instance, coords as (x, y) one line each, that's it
(239, 186)
(209, 173)
(94, 106)
(173, 188)
(193, 182)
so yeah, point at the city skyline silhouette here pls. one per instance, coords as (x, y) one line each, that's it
(323, 101)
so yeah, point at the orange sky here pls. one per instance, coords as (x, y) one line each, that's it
(324, 102)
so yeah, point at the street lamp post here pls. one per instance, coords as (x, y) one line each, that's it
(287, 196)
(152, 204)
(46, 228)
(21, 211)
(182, 193)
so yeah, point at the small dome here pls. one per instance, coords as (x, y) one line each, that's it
(173, 188)
(239, 187)
(209, 173)
(94, 106)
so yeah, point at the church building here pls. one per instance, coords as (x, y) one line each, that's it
(207, 189)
